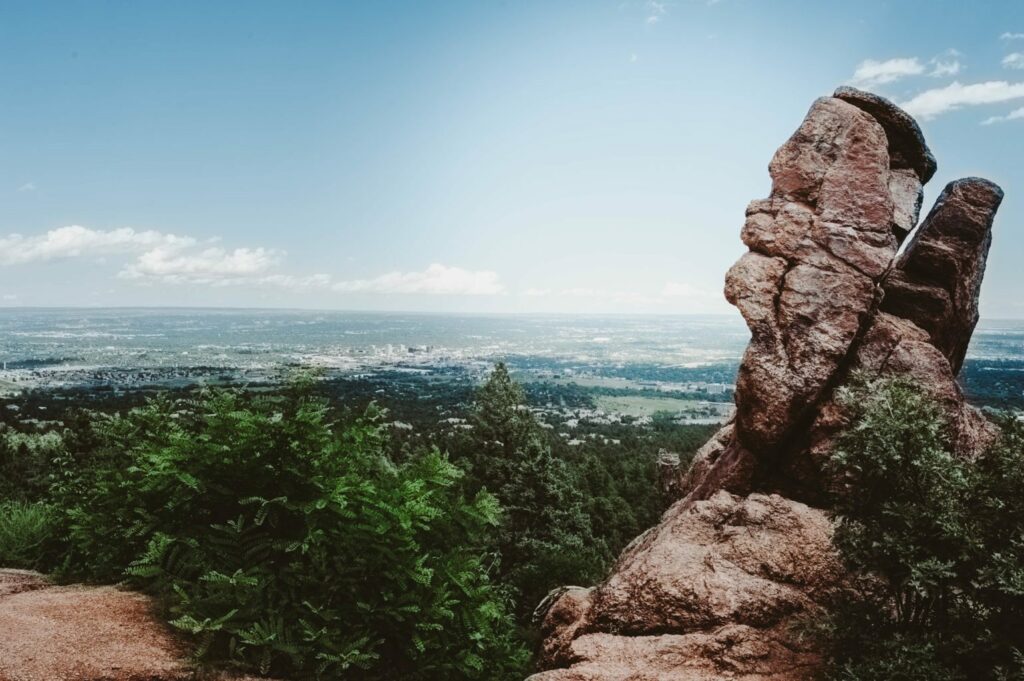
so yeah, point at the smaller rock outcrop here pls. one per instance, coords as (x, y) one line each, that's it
(707, 594)
(937, 280)
(668, 473)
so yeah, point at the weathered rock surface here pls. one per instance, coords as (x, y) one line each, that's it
(907, 148)
(813, 324)
(926, 318)
(706, 594)
(732, 652)
(818, 247)
(712, 591)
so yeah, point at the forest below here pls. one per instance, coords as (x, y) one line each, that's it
(438, 516)
(398, 525)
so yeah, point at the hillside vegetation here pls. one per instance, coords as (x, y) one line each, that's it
(287, 536)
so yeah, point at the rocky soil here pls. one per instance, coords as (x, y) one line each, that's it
(714, 591)
(74, 633)
(80, 633)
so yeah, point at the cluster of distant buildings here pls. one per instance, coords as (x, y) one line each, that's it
(694, 387)
(119, 379)
(690, 387)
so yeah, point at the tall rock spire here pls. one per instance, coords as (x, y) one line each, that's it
(711, 590)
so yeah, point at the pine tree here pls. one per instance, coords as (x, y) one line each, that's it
(545, 539)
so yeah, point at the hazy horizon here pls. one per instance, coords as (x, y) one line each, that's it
(734, 316)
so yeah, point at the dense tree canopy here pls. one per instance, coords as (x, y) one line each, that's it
(307, 532)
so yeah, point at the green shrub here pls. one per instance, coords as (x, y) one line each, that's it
(936, 540)
(288, 545)
(26, 534)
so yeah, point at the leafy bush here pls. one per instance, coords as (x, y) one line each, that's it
(26, 534)
(938, 542)
(289, 545)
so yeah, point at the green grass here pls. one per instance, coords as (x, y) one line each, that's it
(641, 405)
(25, 532)
(598, 382)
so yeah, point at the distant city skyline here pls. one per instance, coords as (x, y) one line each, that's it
(462, 157)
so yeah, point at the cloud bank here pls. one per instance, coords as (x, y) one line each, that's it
(871, 72)
(437, 279)
(151, 258)
(934, 102)
(211, 265)
(159, 258)
(76, 241)
(1014, 60)
(1016, 114)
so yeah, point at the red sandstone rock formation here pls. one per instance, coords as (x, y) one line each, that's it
(711, 592)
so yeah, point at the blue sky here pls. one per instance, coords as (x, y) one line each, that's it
(456, 156)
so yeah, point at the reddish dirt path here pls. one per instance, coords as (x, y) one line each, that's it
(77, 633)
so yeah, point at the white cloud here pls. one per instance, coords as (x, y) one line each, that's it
(655, 11)
(537, 292)
(1014, 60)
(871, 72)
(10, 297)
(211, 265)
(77, 241)
(583, 292)
(253, 267)
(694, 298)
(437, 279)
(159, 258)
(1012, 36)
(296, 283)
(1014, 115)
(931, 103)
(944, 67)
(674, 289)
(27, 187)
